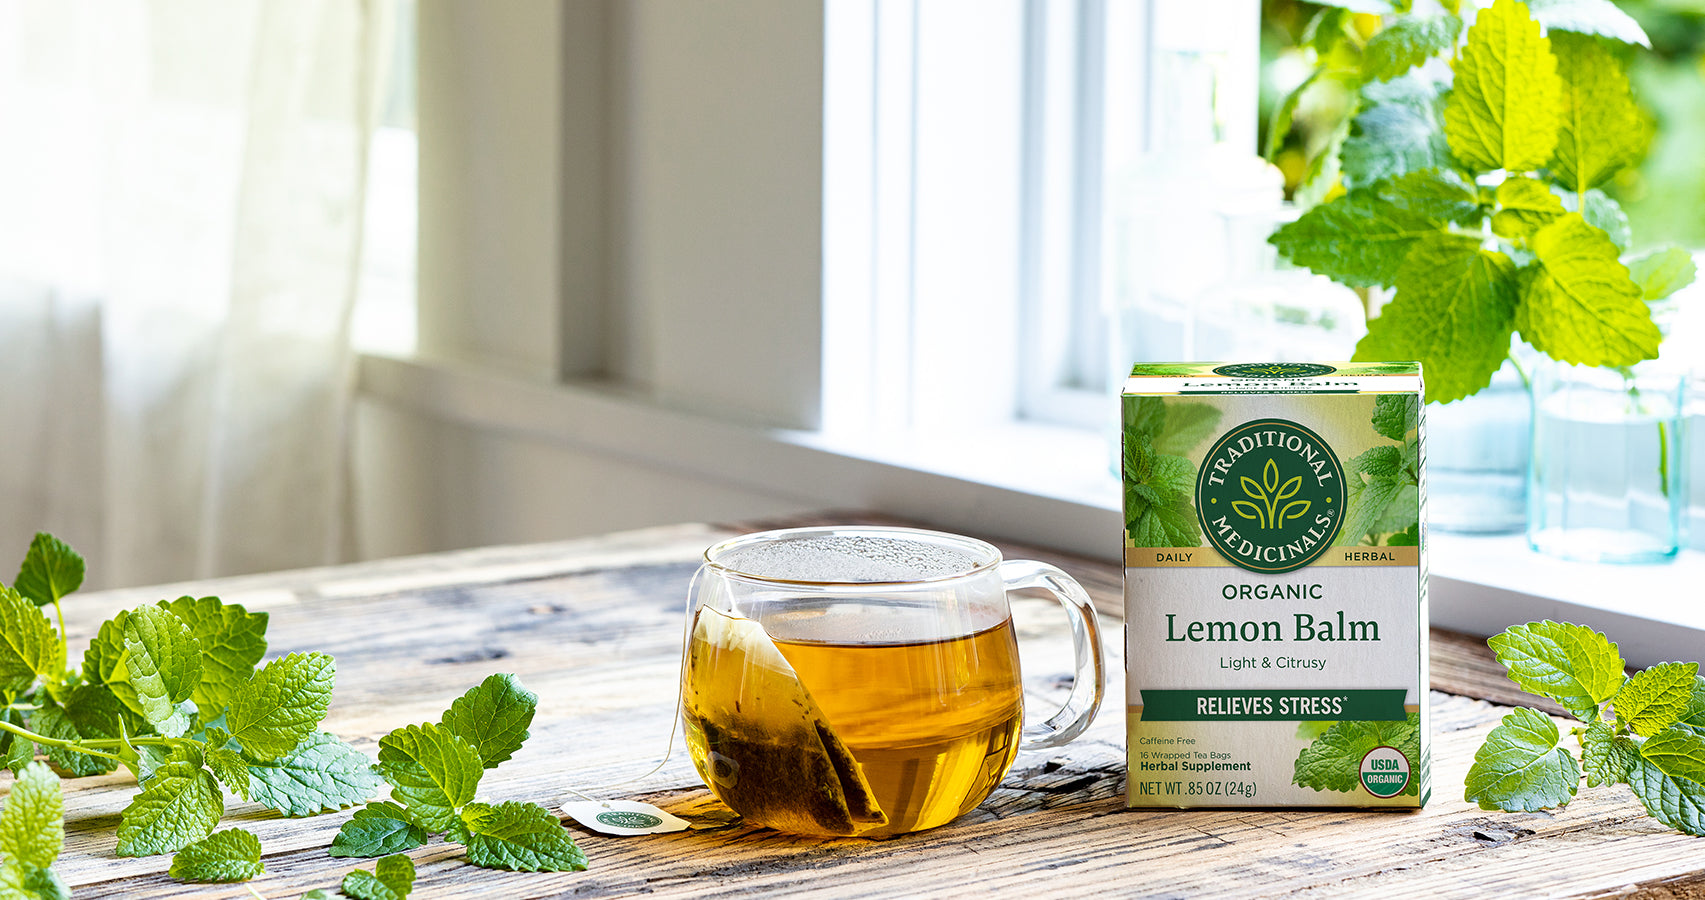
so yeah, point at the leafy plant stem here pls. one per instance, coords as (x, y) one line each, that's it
(1663, 457)
(77, 746)
(1526, 382)
(60, 613)
(251, 889)
(153, 740)
(1280, 124)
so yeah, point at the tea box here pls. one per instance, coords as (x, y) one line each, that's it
(1275, 585)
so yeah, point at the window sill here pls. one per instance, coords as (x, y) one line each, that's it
(1046, 485)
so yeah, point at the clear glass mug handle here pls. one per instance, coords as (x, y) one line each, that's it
(1091, 671)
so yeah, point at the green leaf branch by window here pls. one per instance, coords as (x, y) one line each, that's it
(1478, 200)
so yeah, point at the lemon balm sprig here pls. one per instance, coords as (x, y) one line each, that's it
(176, 693)
(1646, 730)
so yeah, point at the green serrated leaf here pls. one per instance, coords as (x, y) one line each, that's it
(391, 879)
(1603, 131)
(28, 644)
(282, 704)
(1601, 212)
(1382, 495)
(1676, 802)
(162, 662)
(1662, 272)
(1656, 698)
(1678, 752)
(1579, 305)
(1308, 730)
(1524, 206)
(1371, 502)
(220, 858)
(396, 871)
(1144, 416)
(90, 711)
(230, 768)
(1362, 238)
(1695, 715)
(1187, 424)
(51, 569)
(1402, 512)
(1441, 195)
(1379, 462)
(1572, 664)
(1454, 312)
(1600, 17)
(1333, 762)
(1158, 486)
(1399, 129)
(1406, 43)
(432, 770)
(1408, 537)
(322, 773)
(1323, 169)
(178, 806)
(1502, 113)
(317, 894)
(149, 759)
(1395, 415)
(103, 662)
(1172, 521)
(521, 837)
(493, 716)
(378, 829)
(32, 825)
(25, 882)
(1520, 768)
(15, 752)
(232, 640)
(1606, 756)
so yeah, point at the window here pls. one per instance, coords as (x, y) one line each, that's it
(1062, 186)
(385, 316)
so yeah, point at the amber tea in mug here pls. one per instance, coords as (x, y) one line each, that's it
(865, 681)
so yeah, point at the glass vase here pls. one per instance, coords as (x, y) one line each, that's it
(1477, 458)
(1607, 482)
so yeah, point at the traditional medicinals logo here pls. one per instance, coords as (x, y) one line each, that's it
(621, 818)
(1270, 496)
(1274, 370)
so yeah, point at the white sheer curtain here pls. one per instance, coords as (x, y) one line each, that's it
(181, 186)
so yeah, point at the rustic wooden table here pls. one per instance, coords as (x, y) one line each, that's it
(594, 627)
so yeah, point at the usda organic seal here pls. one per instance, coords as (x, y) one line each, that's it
(1385, 771)
(1270, 496)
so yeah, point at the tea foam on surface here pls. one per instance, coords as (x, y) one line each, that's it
(847, 559)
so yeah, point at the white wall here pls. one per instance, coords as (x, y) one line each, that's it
(602, 183)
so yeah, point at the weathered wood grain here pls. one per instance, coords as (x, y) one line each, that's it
(594, 627)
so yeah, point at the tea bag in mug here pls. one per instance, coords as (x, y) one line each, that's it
(770, 744)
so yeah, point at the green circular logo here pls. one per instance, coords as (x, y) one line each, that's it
(1274, 370)
(1270, 496)
(624, 819)
(1385, 771)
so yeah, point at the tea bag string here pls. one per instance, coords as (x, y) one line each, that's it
(674, 723)
(668, 751)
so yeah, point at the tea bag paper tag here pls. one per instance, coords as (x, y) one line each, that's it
(623, 817)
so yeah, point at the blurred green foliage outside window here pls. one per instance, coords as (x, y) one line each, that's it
(1664, 197)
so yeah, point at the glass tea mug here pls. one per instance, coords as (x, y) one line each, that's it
(865, 680)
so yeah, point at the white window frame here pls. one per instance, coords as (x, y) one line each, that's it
(503, 374)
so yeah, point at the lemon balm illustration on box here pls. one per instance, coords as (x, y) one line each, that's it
(1275, 585)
